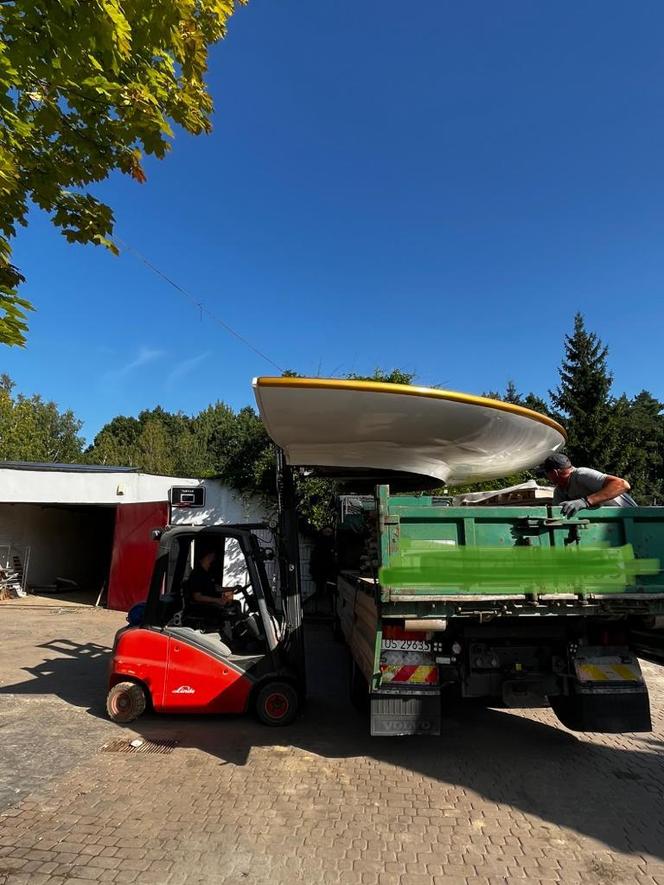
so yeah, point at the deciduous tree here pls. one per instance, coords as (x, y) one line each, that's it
(32, 429)
(87, 87)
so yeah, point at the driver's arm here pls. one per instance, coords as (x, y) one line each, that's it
(227, 594)
(208, 600)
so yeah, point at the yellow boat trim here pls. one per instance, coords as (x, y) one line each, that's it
(468, 399)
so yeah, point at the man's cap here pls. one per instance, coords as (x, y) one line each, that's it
(557, 461)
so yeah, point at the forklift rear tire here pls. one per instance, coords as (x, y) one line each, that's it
(125, 702)
(277, 703)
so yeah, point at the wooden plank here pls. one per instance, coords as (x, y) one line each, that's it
(363, 656)
(367, 616)
(358, 617)
(364, 602)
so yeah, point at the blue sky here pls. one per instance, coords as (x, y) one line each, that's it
(436, 186)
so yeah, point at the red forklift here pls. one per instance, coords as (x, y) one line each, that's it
(249, 656)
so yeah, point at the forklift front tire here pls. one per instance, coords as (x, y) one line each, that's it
(125, 702)
(277, 703)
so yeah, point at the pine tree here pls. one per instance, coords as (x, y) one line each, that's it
(512, 395)
(641, 433)
(583, 399)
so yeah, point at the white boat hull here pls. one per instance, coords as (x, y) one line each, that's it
(449, 438)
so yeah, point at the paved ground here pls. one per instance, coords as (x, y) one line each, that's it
(53, 656)
(503, 797)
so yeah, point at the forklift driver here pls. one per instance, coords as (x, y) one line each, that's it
(202, 597)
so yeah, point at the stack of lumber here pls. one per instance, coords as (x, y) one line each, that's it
(358, 617)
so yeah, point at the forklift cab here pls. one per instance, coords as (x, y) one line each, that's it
(248, 623)
(206, 658)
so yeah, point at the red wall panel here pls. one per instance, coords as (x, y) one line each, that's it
(134, 552)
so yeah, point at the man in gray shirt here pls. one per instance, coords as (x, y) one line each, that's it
(579, 487)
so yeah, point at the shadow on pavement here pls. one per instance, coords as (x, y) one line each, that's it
(78, 675)
(610, 793)
(76, 596)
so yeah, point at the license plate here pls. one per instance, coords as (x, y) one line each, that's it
(405, 645)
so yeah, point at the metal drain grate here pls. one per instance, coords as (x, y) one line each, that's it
(141, 745)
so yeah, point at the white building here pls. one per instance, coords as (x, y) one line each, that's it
(92, 525)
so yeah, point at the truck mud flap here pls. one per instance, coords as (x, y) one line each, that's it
(395, 714)
(609, 694)
(608, 712)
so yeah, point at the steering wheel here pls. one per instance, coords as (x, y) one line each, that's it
(249, 598)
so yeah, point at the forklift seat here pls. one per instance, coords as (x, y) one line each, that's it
(210, 641)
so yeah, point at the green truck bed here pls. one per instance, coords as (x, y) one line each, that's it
(514, 603)
(517, 559)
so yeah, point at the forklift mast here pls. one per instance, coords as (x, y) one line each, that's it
(289, 565)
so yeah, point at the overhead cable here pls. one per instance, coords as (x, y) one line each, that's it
(202, 308)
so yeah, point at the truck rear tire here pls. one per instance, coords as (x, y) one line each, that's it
(125, 702)
(277, 703)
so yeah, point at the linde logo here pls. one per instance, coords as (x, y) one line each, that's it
(184, 689)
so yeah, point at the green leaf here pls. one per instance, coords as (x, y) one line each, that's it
(86, 88)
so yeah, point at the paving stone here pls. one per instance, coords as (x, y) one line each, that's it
(501, 797)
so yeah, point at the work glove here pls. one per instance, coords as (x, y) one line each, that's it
(571, 508)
